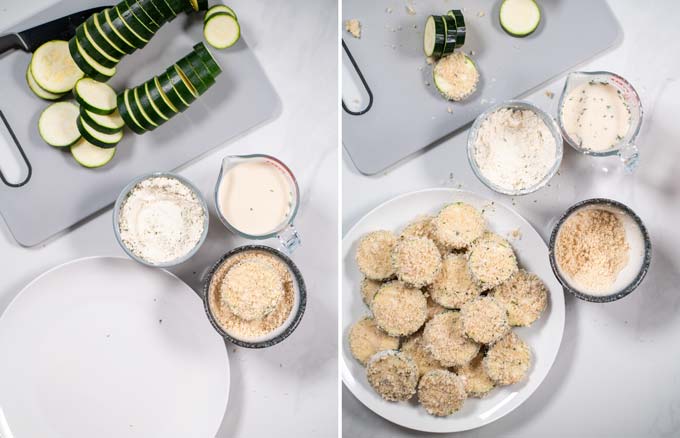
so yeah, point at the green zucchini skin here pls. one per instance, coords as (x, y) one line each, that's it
(202, 5)
(91, 139)
(152, 12)
(165, 9)
(125, 29)
(131, 20)
(137, 113)
(90, 121)
(141, 15)
(145, 104)
(177, 6)
(196, 79)
(202, 71)
(461, 30)
(155, 96)
(125, 114)
(439, 36)
(101, 40)
(91, 50)
(449, 34)
(106, 28)
(210, 62)
(83, 65)
(170, 85)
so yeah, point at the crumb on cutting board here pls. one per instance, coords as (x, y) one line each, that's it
(353, 26)
(481, 14)
(388, 10)
(549, 94)
(515, 234)
(410, 10)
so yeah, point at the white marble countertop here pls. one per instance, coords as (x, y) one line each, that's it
(618, 370)
(281, 387)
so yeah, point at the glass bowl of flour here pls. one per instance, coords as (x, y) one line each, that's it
(514, 148)
(160, 219)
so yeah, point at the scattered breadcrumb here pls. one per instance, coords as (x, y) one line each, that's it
(374, 255)
(524, 295)
(388, 10)
(398, 309)
(393, 375)
(449, 110)
(410, 10)
(353, 26)
(441, 392)
(477, 381)
(366, 339)
(485, 320)
(549, 94)
(515, 234)
(508, 360)
(481, 14)
(444, 339)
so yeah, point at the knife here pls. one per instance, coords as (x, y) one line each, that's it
(60, 29)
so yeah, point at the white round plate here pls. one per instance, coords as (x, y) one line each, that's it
(105, 347)
(543, 337)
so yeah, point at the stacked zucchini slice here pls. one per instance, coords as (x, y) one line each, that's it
(444, 33)
(220, 27)
(151, 104)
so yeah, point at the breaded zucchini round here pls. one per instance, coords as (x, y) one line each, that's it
(374, 255)
(508, 360)
(477, 381)
(252, 289)
(491, 261)
(454, 285)
(458, 225)
(443, 337)
(423, 359)
(398, 309)
(433, 308)
(368, 290)
(524, 295)
(422, 227)
(393, 375)
(485, 320)
(366, 339)
(416, 261)
(441, 392)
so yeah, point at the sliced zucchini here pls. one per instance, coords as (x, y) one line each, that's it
(93, 51)
(137, 19)
(121, 29)
(53, 67)
(138, 114)
(221, 30)
(175, 70)
(57, 124)
(131, 23)
(204, 76)
(109, 124)
(98, 138)
(146, 108)
(142, 15)
(88, 65)
(165, 9)
(449, 34)
(177, 6)
(434, 36)
(95, 96)
(519, 17)
(167, 83)
(219, 8)
(456, 76)
(165, 99)
(208, 59)
(91, 156)
(126, 114)
(152, 96)
(152, 11)
(198, 5)
(461, 30)
(39, 91)
(101, 39)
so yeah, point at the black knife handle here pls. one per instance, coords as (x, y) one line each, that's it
(9, 42)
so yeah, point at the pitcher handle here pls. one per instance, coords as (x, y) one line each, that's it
(630, 157)
(289, 239)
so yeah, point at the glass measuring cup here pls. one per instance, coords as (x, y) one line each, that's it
(285, 231)
(625, 148)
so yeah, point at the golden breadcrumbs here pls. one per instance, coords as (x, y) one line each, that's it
(366, 339)
(398, 309)
(477, 381)
(416, 261)
(422, 227)
(454, 285)
(458, 225)
(508, 360)
(238, 327)
(423, 359)
(591, 249)
(441, 392)
(485, 320)
(374, 255)
(393, 375)
(443, 337)
(252, 289)
(456, 76)
(524, 295)
(491, 261)
(368, 289)
(353, 26)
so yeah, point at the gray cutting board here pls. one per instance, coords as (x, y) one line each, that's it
(60, 193)
(407, 115)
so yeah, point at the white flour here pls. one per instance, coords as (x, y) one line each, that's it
(514, 149)
(161, 220)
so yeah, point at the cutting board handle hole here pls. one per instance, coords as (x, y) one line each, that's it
(15, 169)
(357, 97)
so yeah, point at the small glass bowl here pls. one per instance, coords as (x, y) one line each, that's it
(522, 105)
(646, 244)
(123, 196)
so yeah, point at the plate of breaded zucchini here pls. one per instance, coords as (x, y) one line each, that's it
(451, 315)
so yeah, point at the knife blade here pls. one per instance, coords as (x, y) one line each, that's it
(60, 29)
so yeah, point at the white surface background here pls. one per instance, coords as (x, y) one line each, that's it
(618, 370)
(290, 388)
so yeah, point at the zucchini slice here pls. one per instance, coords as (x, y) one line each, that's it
(57, 124)
(101, 39)
(126, 114)
(146, 108)
(221, 30)
(164, 95)
(140, 15)
(186, 70)
(91, 156)
(169, 85)
(208, 59)
(152, 96)
(434, 36)
(519, 17)
(98, 138)
(165, 9)
(121, 29)
(219, 8)
(175, 70)
(201, 70)
(152, 11)
(177, 6)
(131, 23)
(461, 30)
(97, 97)
(35, 88)
(53, 67)
(88, 65)
(94, 51)
(199, 5)
(109, 124)
(137, 112)
(449, 34)
(456, 76)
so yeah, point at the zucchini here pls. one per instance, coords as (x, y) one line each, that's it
(109, 124)
(183, 85)
(208, 59)
(461, 30)
(198, 5)
(519, 17)
(177, 6)
(144, 104)
(169, 85)
(53, 68)
(221, 30)
(138, 112)
(434, 36)
(93, 51)
(101, 39)
(91, 156)
(39, 91)
(126, 114)
(456, 76)
(164, 96)
(88, 65)
(121, 29)
(98, 138)
(202, 71)
(156, 101)
(57, 124)
(95, 96)
(131, 22)
(140, 14)
(219, 8)
(165, 9)
(186, 70)
(449, 34)
(152, 11)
